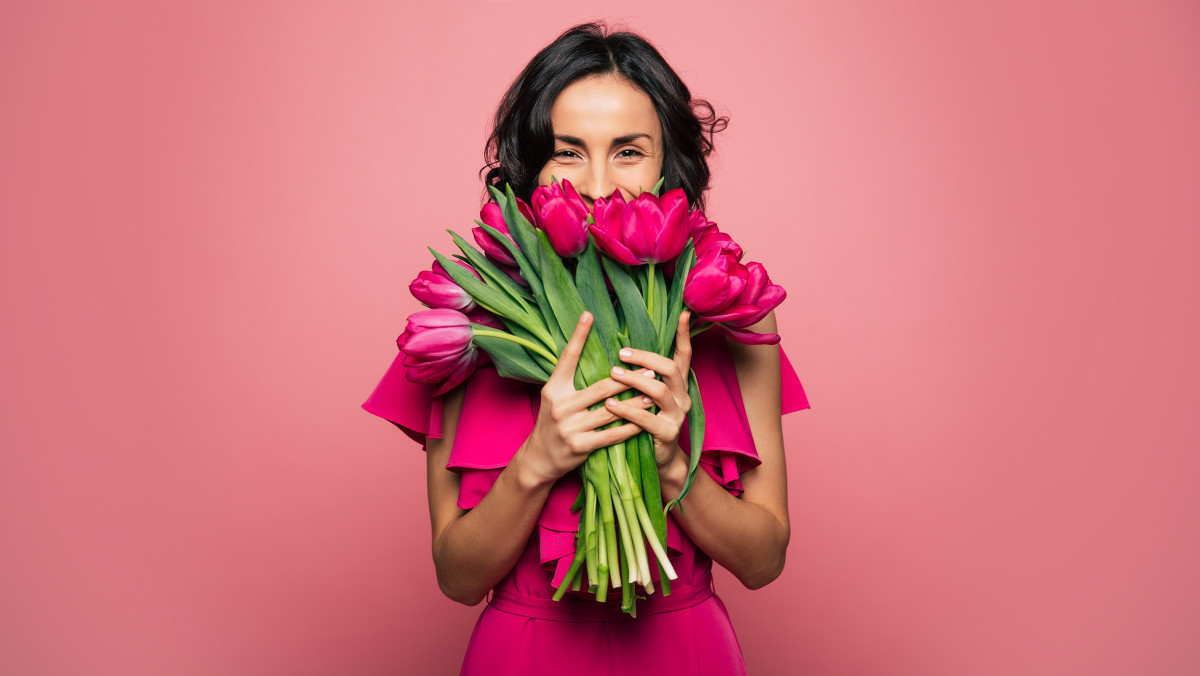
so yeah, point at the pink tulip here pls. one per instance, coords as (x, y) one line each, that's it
(697, 221)
(563, 214)
(714, 283)
(437, 348)
(722, 291)
(437, 289)
(759, 293)
(481, 316)
(491, 215)
(710, 237)
(647, 229)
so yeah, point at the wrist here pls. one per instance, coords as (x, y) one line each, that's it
(673, 474)
(527, 473)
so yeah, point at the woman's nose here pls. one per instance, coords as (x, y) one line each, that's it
(597, 184)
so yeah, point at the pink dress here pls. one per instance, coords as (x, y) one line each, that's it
(522, 630)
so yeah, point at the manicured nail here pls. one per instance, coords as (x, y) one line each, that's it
(649, 374)
(626, 352)
(612, 403)
(617, 370)
(645, 400)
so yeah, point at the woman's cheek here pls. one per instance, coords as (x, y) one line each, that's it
(557, 171)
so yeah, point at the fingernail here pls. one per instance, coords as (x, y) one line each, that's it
(611, 402)
(649, 374)
(626, 353)
(645, 400)
(617, 370)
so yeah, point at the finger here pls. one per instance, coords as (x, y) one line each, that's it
(667, 368)
(651, 360)
(652, 423)
(683, 342)
(603, 416)
(645, 382)
(607, 437)
(597, 392)
(564, 370)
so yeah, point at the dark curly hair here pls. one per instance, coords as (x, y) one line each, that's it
(522, 139)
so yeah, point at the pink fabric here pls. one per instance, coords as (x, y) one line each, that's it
(497, 416)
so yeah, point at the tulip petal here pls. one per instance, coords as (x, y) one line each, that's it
(460, 374)
(491, 248)
(733, 313)
(613, 248)
(750, 337)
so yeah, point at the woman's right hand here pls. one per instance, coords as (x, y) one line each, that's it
(566, 429)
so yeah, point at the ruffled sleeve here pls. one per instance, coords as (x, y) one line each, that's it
(728, 449)
(410, 406)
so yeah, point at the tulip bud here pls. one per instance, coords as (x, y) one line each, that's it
(561, 212)
(714, 283)
(437, 348)
(710, 237)
(437, 289)
(491, 215)
(647, 229)
(759, 293)
(722, 291)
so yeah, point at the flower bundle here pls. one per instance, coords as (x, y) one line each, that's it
(633, 265)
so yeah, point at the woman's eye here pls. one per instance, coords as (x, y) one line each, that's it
(570, 154)
(629, 152)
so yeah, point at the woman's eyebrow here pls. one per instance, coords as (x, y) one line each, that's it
(630, 138)
(620, 140)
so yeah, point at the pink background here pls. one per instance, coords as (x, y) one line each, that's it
(987, 219)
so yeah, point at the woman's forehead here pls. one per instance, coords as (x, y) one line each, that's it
(603, 107)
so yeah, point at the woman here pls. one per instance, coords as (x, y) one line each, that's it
(606, 112)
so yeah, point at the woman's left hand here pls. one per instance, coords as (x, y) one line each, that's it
(670, 394)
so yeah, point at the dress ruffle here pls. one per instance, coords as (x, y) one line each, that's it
(499, 413)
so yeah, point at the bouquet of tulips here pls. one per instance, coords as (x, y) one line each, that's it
(633, 265)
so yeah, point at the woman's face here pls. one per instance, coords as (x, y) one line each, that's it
(606, 137)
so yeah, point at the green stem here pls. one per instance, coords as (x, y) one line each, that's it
(602, 570)
(659, 552)
(573, 571)
(529, 344)
(628, 494)
(626, 538)
(626, 587)
(700, 329)
(650, 291)
(593, 540)
(610, 563)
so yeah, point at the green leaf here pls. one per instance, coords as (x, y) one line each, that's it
(512, 360)
(683, 265)
(528, 271)
(493, 300)
(494, 275)
(642, 335)
(567, 307)
(660, 302)
(522, 231)
(525, 236)
(695, 420)
(594, 293)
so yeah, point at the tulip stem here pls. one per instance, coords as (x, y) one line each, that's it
(700, 329)
(529, 344)
(650, 290)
